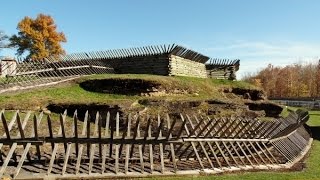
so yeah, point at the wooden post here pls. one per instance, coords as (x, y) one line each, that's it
(106, 134)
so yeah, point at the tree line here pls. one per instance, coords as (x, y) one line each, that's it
(292, 81)
(37, 38)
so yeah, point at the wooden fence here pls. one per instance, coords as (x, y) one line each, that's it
(49, 146)
(43, 72)
(173, 60)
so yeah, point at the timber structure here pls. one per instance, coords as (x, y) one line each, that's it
(110, 145)
(166, 60)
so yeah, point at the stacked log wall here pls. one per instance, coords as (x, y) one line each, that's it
(184, 67)
(157, 65)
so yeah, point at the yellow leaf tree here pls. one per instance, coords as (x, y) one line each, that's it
(38, 37)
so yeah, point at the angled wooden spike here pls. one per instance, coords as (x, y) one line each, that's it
(160, 124)
(88, 135)
(229, 152)
(35, 125)
(237, 153)
(93, 146)
(169, 135)
(50, 129)
(135, 132)
(146, 133)
(66, 158)
(150, 150)
(83, 133)
(20, 127)
(99, 136)
(5, 126)
(75, 134)
(6, 161)
(117, 145)
(140, 150)
(21, 161)
(112, 126)
(264, 153)
(194, 147)
(245, 154)
(124, 134)
(250, 152)
(106, 134)
(126, 166)
(209, 144)
(56, 145)
(63, 133)
(200, 143)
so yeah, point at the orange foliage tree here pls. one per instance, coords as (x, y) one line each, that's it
(296, 80)
(38, 37)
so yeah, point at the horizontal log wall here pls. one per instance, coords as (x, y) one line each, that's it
(157, 65)
(220, 73)
(183, 67)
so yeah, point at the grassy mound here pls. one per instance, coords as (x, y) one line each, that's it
(168, 88)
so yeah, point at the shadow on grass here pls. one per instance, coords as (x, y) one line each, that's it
(315, 131)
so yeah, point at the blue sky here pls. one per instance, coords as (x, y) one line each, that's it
(258, 32)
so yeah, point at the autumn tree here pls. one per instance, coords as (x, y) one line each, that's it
(296, 80)
(38, 37)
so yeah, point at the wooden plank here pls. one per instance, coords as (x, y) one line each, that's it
(75, 134)
(35, 125)
(21, 131)
(6, 161)
(160, 124)
(134, 135)
(209, 144)
(20, 127)
(126, 165)
(267, 149)
(88, 135)
(230, 154)
(245, 154)
(50, 130)
(146, 133)
(21, 161)
(264, 153)
(56, 145)
(169, 135)
(124, 134)
(62, 119)
(66, 158)
(237, 153)
(5, 126)
(193, 146)
(106, 134)
(250, 152)
(93, 146)
(200, 143)
(83, 133)
(150, 150)
(140, 150)
(99, 136)
(117, 145)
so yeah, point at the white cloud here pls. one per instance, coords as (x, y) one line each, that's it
(257, 55)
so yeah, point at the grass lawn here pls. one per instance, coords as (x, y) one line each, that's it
(312, 170)
(72, 93)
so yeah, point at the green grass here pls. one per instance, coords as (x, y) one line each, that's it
(72, 93)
